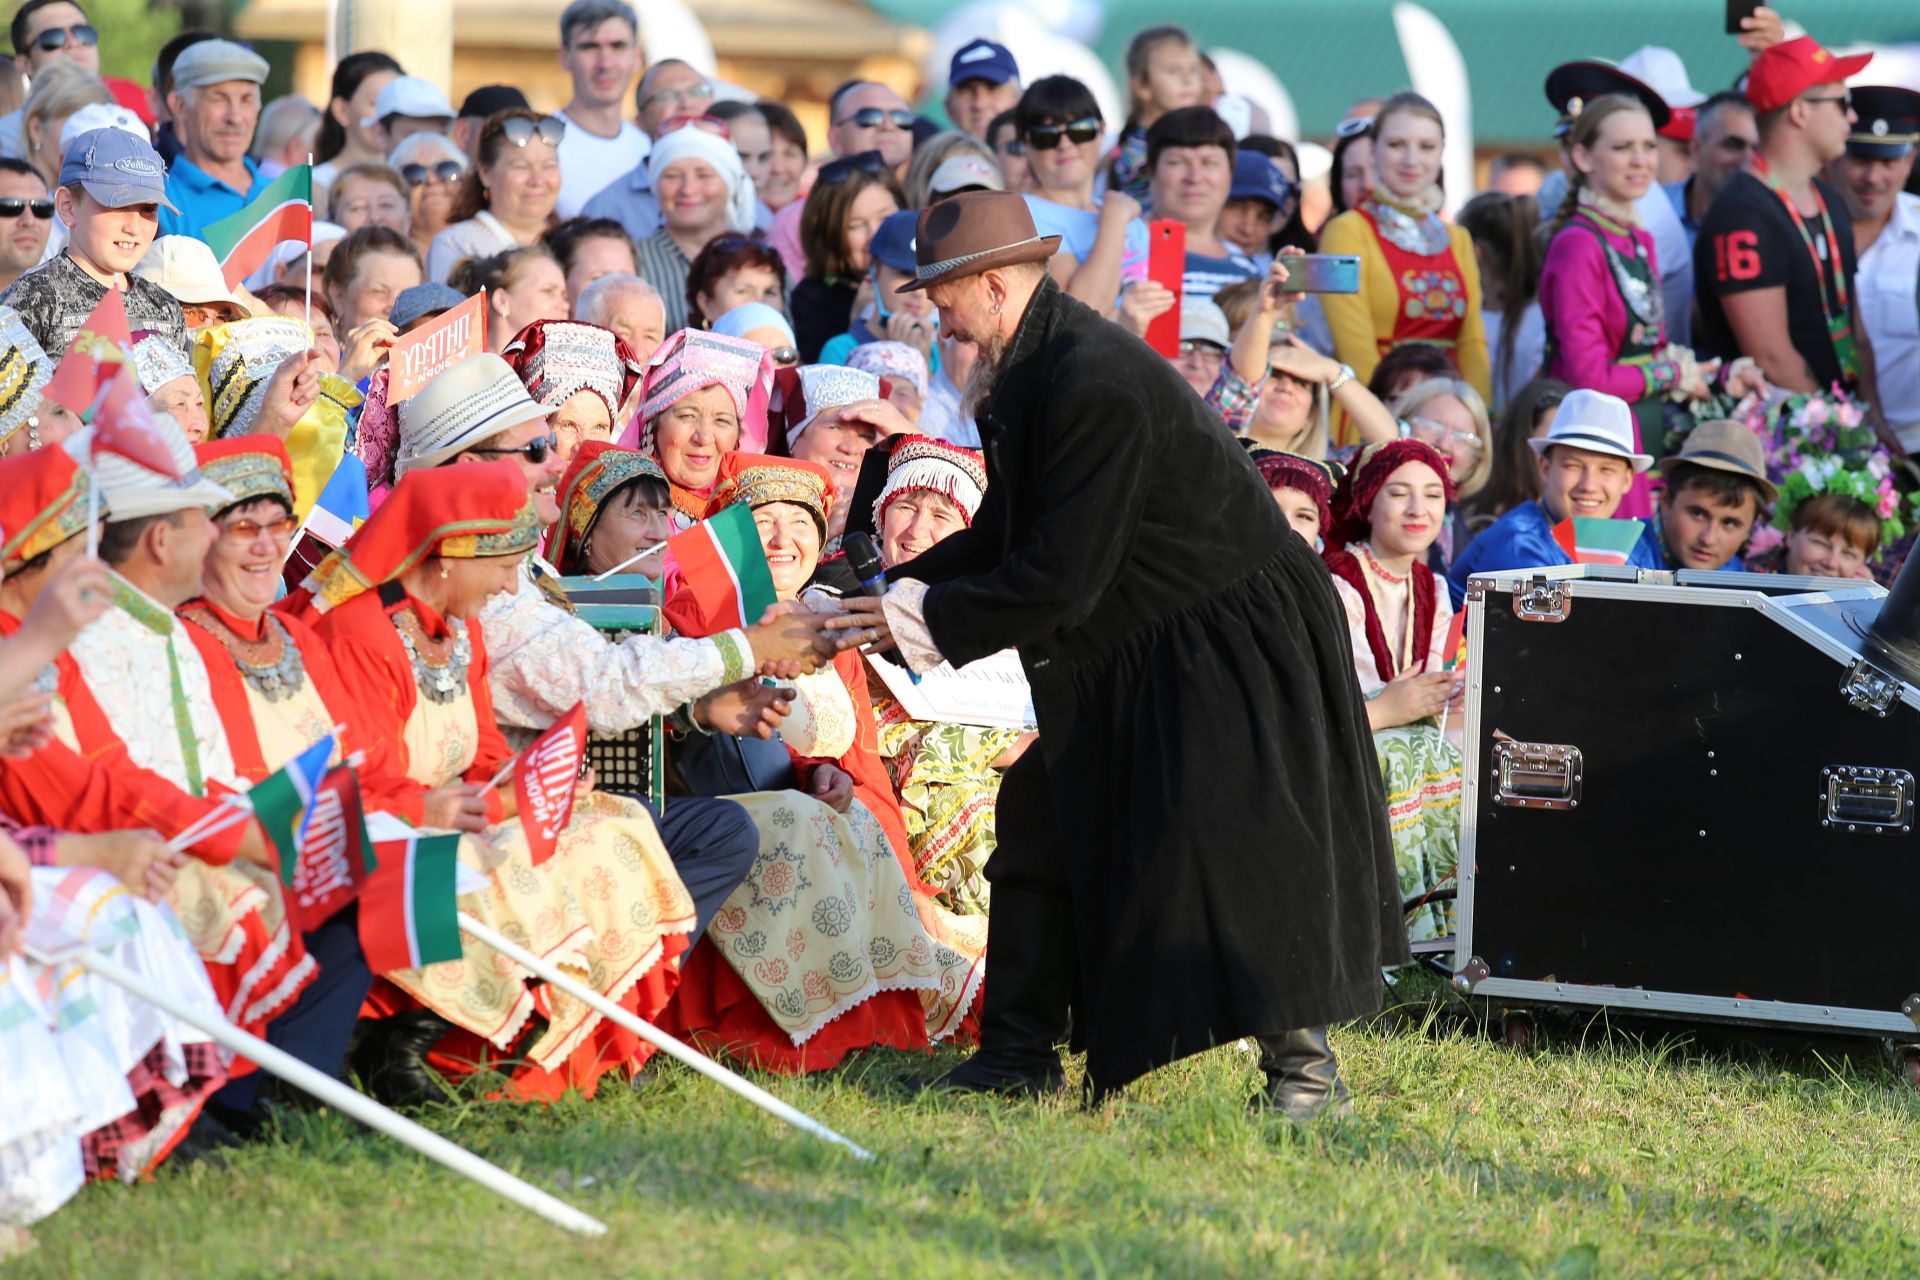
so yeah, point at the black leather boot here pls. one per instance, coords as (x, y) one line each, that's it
(1026, 1003)
(1303, 1080)
(390, 1058)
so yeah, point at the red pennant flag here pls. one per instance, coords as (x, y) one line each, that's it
(125, 425)
(335, 855)
(544, 780)
(96, 353)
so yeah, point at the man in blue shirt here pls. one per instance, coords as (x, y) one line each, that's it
(1587, 464)
(1716, 488)
(215, 103)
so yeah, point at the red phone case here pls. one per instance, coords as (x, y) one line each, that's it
(1167, 267)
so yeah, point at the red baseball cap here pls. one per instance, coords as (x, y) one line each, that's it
(1788, 69)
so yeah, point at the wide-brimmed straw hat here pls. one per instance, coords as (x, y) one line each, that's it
(972, 232)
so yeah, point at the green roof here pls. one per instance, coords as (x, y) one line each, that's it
(1329, 52)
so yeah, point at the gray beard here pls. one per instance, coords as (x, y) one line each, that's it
(986, 371)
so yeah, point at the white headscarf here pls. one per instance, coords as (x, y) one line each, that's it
(691, 140)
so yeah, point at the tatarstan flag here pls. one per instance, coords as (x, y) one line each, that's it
(408, 913)
(718, 575)
(281, 212)
(1590, 541)
(283, 803)
(1455, 646)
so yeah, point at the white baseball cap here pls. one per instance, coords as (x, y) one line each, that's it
(102, 115)
(411, 96)
(1596, 422)
(1662, 71)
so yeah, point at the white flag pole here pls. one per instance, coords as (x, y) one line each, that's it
(653, 1035)
(93, 509)
(339, 1096)
(309, 242)
(638, 555)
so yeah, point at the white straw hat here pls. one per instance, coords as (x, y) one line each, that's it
(130, 491)
(474, 400)
(1596, 422)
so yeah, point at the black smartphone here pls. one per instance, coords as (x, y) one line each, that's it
(1737, 12)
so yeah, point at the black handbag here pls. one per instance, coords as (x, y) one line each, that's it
(723, 764)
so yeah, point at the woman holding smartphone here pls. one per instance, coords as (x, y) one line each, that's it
(1419, 280)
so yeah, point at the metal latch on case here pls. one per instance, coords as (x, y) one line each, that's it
(1537, 775)
(1866, 686)
(1862, 798)
(1542, 601)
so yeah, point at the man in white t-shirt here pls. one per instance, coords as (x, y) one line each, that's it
(600, 49)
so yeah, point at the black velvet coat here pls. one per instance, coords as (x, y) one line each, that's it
(1219, 812)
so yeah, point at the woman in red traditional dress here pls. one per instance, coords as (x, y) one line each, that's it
(833, 944)
(1419, 279)
(395, 605)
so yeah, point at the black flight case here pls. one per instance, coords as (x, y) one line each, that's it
(1691, 795)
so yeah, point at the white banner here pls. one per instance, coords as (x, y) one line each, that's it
(992, 692)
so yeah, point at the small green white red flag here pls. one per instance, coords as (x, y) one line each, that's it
(409, 916)
(282, 211)
(1590, 541)
(716, 575)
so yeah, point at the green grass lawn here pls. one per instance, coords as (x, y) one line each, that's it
(1599, 1154)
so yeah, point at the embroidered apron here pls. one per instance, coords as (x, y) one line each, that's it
(1432, 302)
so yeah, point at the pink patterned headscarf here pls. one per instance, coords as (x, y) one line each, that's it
(692, 359)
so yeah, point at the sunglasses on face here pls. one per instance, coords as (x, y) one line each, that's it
(442, 171)
(14, 206)
(520, 131)
(1015, 147)
(841, 170)
(679, 97)
(874, 117)
(1845, 100)
(57, 37)
(535, 451)
(1045, 137)
(1207, 349)
(241, 532)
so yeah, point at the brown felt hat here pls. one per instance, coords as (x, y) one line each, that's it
(1725, 446)
(972, 232)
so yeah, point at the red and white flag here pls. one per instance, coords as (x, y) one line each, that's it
(544, 779)
(125, 425)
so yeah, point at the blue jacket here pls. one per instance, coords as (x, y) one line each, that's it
(1523, 539)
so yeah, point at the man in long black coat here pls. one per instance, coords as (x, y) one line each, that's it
(1198, 851)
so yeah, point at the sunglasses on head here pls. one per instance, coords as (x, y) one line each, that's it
(535, 451)
(841, 170)
(57, 37)
(874, 117)
(1353, 128)
(520, 131)
(14, 206)
(442, 171)
(786, 357)
(735, 240)
(1045, 137)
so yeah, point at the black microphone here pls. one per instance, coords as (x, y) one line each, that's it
(864, 559)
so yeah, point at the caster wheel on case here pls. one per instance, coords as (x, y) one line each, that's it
(1516, 1030)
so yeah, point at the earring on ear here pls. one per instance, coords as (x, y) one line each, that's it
(443, 573)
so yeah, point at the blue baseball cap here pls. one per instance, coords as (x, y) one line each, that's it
(892, 244)
(117, 169)
(1255, 178)
(983, 60)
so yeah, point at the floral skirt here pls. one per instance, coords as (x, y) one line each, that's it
(948, 790)
(96, 1080)
(237, 921)
(826, 925)
(1423, 778)
(603, 909)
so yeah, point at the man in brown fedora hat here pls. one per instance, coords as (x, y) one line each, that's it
(1199, 849)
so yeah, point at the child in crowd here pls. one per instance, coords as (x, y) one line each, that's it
(112, 186)
(1387, 515)
(1587, 462)
(1832, 535)
(1716, 491)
